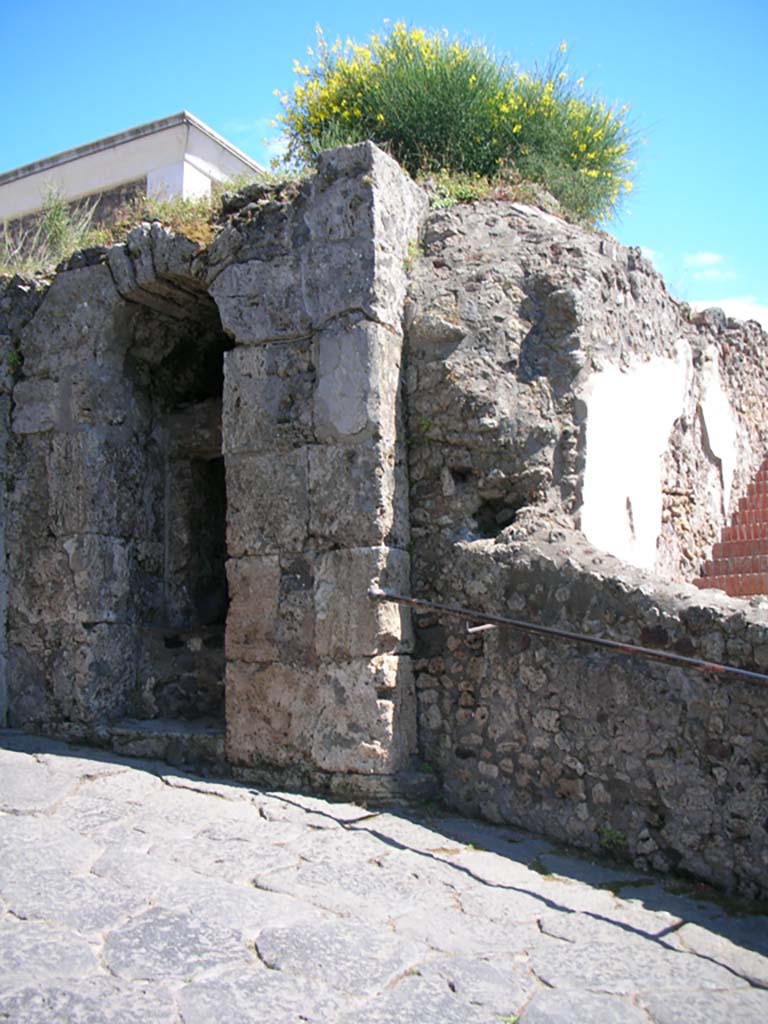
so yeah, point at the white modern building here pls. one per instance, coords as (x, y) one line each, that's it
(177, 155)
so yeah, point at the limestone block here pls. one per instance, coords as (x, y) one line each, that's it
(104, 482)
(172, 255)
(27, 496)
(348, 623)
(254, 592)
(63, 672)
(358, 495)
(271, 711)
(360, 191)
(121, 266)
(295, 629)
(77, 323)
(271, 609)
(351, 717)
(268, 397)
(99, 394)
(341, 208)
(100, 570)
(37, 406)
(267, 502)
(350, 276)
(262, 300)
(358, 377)
(41, 586)
(93, 673)
(26, 675)
(367, 719)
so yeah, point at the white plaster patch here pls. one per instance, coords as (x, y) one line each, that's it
(630, 414)
(719, 423)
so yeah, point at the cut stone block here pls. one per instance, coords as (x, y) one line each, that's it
(262, 300)
(348, 623)
(254, 592)
(77, 312)
(351, 717)
(352, 276)
(358, 380)
(358, 495)
(100, 570)
(360, 191)
(37, 406)
(271, 712)
(267, 503)
(99, 483)
(268, 397)
(368, 721)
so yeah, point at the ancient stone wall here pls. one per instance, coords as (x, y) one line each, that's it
(659, 763)
(210, 456)
(211, 440)
(319, 679)
(534, 352)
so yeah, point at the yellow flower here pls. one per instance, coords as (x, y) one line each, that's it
(562, 47)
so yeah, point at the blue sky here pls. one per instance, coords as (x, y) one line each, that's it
(695, 75)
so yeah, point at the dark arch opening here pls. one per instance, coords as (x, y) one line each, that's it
(176, 366)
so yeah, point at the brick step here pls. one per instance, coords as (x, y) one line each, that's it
(749, 518)
(753, 502)
(744, 531)
(736, 565)
(740, 548)
(743, 585)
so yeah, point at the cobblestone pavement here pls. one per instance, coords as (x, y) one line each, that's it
(136, 894)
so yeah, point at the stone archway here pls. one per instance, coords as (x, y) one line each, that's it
(116, 425)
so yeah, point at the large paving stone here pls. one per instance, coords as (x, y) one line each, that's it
(86, 904)
(345, 955)
(48, 846)
(29, 787)
(418, 1000)
(558, 1006)
(165, 944)
(89, 1001)
(383, 886)
(453, 931)
(259, 996)
(687, 1006)
(499, 985)
(33, 953)
(240, 909)
(749, 963)
(626, 966)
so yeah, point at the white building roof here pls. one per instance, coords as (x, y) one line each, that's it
(176, 155)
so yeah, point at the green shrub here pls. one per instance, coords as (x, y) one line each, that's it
(440, 105)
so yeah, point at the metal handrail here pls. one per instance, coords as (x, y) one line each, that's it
(615, 646)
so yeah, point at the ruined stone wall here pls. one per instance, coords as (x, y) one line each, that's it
(212, 441)
(621, 755)
(515, 322)
(210, 456)
(311, 285)
(551, 377)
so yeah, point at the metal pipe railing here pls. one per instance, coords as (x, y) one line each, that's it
(615, 646)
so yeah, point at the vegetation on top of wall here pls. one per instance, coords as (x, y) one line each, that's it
(440, 105)
(59, 230)
(63, 228)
